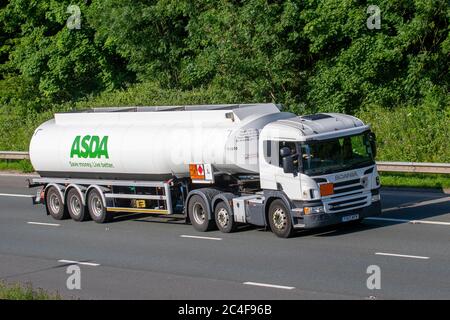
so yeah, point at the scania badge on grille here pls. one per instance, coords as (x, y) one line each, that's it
(345, 175)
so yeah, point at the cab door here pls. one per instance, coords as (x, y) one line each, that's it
(272, 174)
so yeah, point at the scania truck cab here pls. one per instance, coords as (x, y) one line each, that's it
(323, 168)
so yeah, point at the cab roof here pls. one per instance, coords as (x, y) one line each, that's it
(320, 126)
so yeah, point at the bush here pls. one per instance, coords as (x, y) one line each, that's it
(27, 292)
(17, 124)
(415, 180)
(16, 165)
(405, 133)
(419, 134)
(151, 94)
(308, 55)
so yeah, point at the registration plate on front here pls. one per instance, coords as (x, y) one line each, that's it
(350, 218)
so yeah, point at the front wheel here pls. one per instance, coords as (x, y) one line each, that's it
(280, 219)
(224, 218)
(198, 214)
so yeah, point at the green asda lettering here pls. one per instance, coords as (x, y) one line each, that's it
(90, 147)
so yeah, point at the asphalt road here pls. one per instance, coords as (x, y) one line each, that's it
(142, 257)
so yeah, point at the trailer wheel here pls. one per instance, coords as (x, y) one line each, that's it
(280, 220)
(198, 214)
(95, 206)
(75, 206)
(224, 218)
(55, 205)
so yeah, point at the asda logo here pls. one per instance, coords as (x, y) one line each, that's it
(90, 147)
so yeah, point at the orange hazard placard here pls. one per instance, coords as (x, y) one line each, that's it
(326, 189)
(197, 171)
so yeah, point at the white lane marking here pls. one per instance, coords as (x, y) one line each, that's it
(400, 255)
(387, 219)
(430, 222)
(80, 262)
(442, 223)
(44, 224)
(197, 237)
(16, 195)
(268, 285)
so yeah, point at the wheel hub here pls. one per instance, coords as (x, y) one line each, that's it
(55, 205)
(75, 205)
(96, 206)
(199, 213)
(279, 219)
(223, 217)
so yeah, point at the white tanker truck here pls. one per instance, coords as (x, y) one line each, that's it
(214, 165)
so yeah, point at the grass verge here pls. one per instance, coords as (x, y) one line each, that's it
(16, 165)
(25, 292)
(415, 180)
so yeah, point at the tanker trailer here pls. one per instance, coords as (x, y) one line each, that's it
(212, 165)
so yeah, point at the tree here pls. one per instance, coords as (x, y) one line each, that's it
(63, 64)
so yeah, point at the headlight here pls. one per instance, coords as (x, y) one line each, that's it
(313, 210)
(375, 197)
(377, 180)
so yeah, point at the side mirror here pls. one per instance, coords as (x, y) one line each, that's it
(373, 143)
(288, 164)
(285, 152)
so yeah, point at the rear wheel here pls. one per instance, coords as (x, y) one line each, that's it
(54, 204)
(280, 219)
(96, 209)
(198, 214)
(75, 206)
(224, 218)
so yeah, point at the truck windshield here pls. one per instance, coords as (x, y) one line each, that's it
(345, 153)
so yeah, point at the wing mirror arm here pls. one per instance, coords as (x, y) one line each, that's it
(288, 160)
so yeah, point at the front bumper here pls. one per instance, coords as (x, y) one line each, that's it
(325, 219)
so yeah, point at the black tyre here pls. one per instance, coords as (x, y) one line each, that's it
(198, 214)
(75, 206)
(224, 218)
(280, 219)
(55, 205)
(95, 206)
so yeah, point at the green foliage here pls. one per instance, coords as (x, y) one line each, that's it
(151, 94)
(149, 34)
(314, 55)
(27, 292)
(419, 134)
(16, 166)
(435, 181)
(252, 48)
(17, 125)
(404, 61)
(59, 64)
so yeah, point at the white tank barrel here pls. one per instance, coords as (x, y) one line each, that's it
(151, 142)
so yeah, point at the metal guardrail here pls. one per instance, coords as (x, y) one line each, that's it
(382, 166)
(417, 167)
(14, 155)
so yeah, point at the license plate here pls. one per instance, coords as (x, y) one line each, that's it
(350, 218)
